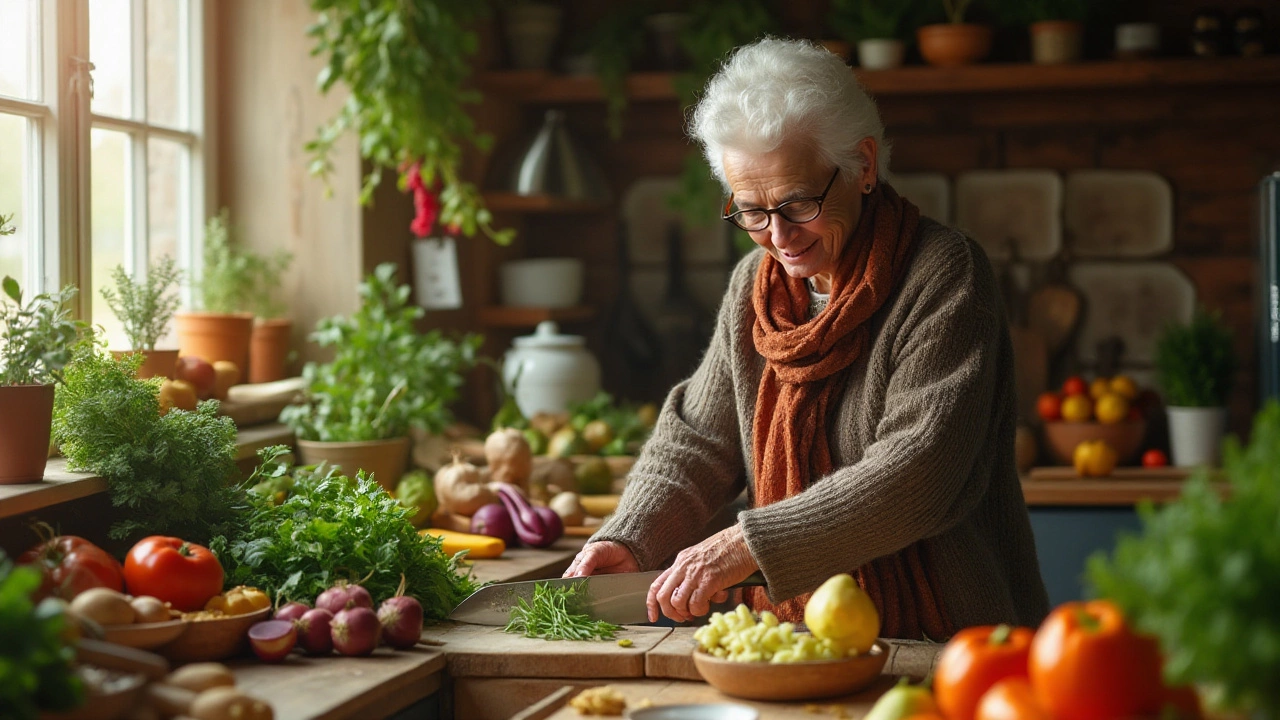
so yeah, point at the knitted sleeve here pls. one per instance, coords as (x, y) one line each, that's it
(915, 477)
(692, 464)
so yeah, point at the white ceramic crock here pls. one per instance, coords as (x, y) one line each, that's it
(1195, 435)
(880, 53)
(555, 371)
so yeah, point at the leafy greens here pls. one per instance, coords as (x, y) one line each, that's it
(555, 614)
(35, 660)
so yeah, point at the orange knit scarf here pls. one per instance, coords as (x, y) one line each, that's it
(804, 378)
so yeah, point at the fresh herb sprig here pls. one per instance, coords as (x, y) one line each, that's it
(36, 336)
(553, 614)
(330, 528)
(146, 306)
(1204, 575)
(35, 658)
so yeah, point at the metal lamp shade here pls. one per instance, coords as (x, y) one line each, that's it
(554, 165)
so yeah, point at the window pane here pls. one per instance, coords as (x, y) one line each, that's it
(165, 89)
(110, 38)
(109, 183)
(167, 191)
(13, 190)
(18, 48)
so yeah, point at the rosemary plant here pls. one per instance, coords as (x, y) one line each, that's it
(144, 307)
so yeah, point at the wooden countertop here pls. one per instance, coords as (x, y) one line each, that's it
(1125, 487)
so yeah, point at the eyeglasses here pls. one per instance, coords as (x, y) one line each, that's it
(799, 211)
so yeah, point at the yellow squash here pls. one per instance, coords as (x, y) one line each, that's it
(480, 546)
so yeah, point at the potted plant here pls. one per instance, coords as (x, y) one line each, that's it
(222, 329)
(876, 26)
(145, 308)
(385, 378)
(1056, 27)
(954, 42)
(272, 330)
(36, 343)
(1196, 368)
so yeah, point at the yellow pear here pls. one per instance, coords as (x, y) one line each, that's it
(842, 612)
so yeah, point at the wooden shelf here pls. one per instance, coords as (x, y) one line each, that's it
(546, 88)
(1126, 486)
(510, 202)
(515, 317)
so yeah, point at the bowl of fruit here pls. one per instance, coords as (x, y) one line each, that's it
(1107, 410)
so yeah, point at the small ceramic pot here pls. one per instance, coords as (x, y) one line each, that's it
(1054, 42)
(385, 459)
(550, 371)
(26, 416)
(542, 282)
(881, 53)
(531, 30)
(954, 44)
(155, 363)
(1137, 40)
(1195, 435)
(215, 336)
(269, 350)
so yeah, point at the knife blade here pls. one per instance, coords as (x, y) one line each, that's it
(618, 598)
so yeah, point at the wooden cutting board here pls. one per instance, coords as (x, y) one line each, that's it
(487, 651)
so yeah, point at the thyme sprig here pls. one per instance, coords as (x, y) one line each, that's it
(552, 615)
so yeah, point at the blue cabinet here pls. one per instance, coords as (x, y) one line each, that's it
(1067, 536)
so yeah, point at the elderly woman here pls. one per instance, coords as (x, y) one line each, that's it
(859, 384)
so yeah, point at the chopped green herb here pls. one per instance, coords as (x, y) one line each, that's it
(551, 615)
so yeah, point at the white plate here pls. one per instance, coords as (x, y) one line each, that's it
(711, 711)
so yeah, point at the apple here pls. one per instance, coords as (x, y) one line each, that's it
(226, 374)
(199, 373)
(177, 394)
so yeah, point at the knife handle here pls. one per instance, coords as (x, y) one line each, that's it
(755, 579)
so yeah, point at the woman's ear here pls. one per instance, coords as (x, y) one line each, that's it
(869, 149)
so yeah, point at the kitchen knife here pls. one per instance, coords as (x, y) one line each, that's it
(617, 598)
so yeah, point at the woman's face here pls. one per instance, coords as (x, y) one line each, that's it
(793, 171)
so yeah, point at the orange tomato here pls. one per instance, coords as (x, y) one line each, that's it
(1011, 699)
(1077, 408)
(1125, 387)
(1049, 406)
(1074, 385)
(974, 660)
(1094, 458)
(1086, 664)
(1110, 408)
(1099, 387)
(1154, 457)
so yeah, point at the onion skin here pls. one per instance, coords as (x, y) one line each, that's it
(355, 631)
(344, 597)
(530, 527)
(401, 620)
(292, 611)
(494, 520)
(273, 640)
(314, 631)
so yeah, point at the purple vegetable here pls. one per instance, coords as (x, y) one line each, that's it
(344, 596)
(314, 631)
(292, 611)
(530, 527)
(401, 619)
(494, 520)
(355, 631)
(555, 526)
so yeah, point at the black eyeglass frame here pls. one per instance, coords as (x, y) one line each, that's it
(780, 210)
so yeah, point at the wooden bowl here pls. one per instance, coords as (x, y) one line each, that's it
(105, 706)
(1123, 437)
(216, 639)
(144, 636)
(792, 681)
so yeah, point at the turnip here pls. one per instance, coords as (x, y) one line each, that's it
(355, 631)
(291, 611)
(401, 620)
(314, 629)
(344, 596)
(272, 640)
(494, 520)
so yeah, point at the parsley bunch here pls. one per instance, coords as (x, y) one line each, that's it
(1204, 575)
(170, 474)
(330, 528)
(35, 661)
(555, 614)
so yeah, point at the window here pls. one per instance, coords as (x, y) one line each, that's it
(113, 180)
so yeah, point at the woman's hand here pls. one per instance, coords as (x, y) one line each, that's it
(701, 575)
(602, 558)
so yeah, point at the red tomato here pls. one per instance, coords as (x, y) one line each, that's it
(1049, 406)
(1086, 664)
(177, 572)
(1154, 458)
(1011, 699)
(71, 565)
(1075, 385)
(974, 660)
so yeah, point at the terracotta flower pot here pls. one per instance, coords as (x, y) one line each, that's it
(155, 363)
(269, 350)
(1056, 41)
(954, 44)
(215, 336)
(386, 459)
(26, 416)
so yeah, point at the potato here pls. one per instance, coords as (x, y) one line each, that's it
(104, 606)
(225, 374)
(509, 457)
(149, 610)
(199, 677)
(225, 703)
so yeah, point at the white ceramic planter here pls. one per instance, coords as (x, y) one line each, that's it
(554, 371)
(880, 53)
(1195, 435)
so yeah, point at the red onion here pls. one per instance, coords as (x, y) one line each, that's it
(401, 619)
(555, 525)
(355, 631)
(530, 527)
(344, 596)
(291, 611)
(272, 640)
(494, 520)
(313, 631)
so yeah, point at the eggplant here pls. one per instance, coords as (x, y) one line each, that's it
(530, 527)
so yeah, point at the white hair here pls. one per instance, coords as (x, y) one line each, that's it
(776, 90)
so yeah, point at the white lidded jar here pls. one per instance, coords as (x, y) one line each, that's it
(550, 371)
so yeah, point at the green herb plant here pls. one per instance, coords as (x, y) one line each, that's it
(144, 307)
(554, 613)
(168, 474)
(330, 528)
(385, 376)
(235, 279)
(1204, 576)
(855, 20)
(405, 65)
(6, 225)
(37, 336)
(1196, 363)
(36, 662)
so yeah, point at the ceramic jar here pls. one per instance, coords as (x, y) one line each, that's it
(550, 371)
